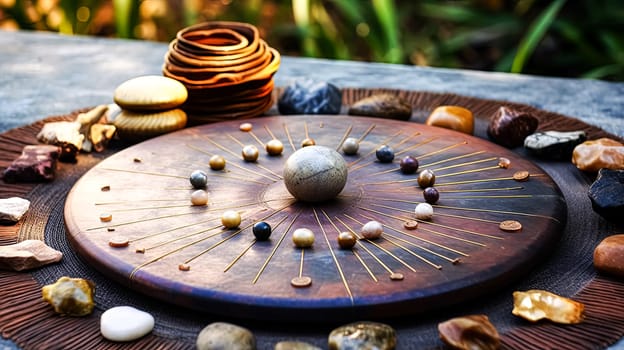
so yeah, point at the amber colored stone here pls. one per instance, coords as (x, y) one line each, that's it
(534, 305)
(452, 117)
(469, 332)
(609, 255)
(597, 154)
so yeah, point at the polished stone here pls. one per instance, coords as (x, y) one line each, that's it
(607, 194)
(554, 144)
(225, 336)
(609, 256)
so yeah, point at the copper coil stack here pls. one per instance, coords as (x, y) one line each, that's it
(227, 69)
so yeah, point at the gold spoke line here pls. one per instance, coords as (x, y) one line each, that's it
(370, 273)
(429, 140)
(331, 251)
(498, 212)
(484, 189)
(469, 171)
(279, 242)
(289, 137)
(370, 128)
(473, 181)
(373, 150)
(140, 220)
(492, 196)
(171, 229)
(269, 131)
(257, 139)
(144, 173)
(451, 159)
(235, 140)
(238, 156)
(344, 137)
(466, 163)
(301, 262)
(179, 238)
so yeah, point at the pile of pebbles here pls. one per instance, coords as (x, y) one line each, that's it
(226, 67)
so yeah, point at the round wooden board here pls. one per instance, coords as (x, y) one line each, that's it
(460, 254)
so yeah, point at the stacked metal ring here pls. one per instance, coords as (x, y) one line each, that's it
(227, 69)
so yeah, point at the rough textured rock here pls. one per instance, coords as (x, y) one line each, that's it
(607, 194)
(534, 305)
(125, 323)
(609, 255)
(310, 97)
(12, 209)
(225, 336)
(382, 106)
(295, 345)
(70, 296)
(362, 335)
(28, 254)
(554, 144)
(37, 163)
(509, 127)
(594, 155)
(469, 332)
(315, 174)
(452, 117)
(64, 134)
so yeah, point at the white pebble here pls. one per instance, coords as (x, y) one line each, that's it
(424, 211)
(303, 238)
(125, 323)
(351, 146)
(199, 197)
(372, 230)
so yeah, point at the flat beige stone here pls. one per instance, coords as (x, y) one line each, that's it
(150, 92)
(27, 255)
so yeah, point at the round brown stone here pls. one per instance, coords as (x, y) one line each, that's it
(609, 255)
(411, 224)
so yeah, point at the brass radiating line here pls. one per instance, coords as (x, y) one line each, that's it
(238, 156)
(484, 189)
(360, 244)
(407, 138)
(269, 131)
(141, 201)
(170, 230)
(398, 245)
(451, 159)
(344, 137)
(429, 140)
(440, 225)
(374, 149)
(233, 235)
(426, 240)
(442, 150)
(498, 212)
(370, 273)
(301, 262)
(469, 218)
(386, 171)
(148, 208)
(428, 222)
(491, 196)
(257, 139)
(331, 251)
(141, 220)
(305, 128)
(370, 128)
(468, 171)
(144, 173)
(249, 247)
(357, 256)
(465, 163)
(268, 259)
(179, 238)
(236, 140)
(289, 137)
(473, 181)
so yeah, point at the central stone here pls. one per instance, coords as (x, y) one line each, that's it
(315, 174)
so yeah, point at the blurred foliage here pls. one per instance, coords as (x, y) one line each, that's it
(581, 38)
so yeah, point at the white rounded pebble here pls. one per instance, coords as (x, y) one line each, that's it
(125, 323)
(199, 197)
(372, 230)
(424, 211)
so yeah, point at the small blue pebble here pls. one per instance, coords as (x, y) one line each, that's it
(385, 154)
(261, 230)
(198, 179)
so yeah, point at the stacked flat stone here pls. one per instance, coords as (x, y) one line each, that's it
(226, 67)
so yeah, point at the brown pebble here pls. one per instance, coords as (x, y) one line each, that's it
(184, 267)
(308, 142)
(410, 225)
(452, 117)
(246, 127)
(395, 276)
(106, 217)
(609, 255)
(140, 251)
(110, 229)
(521, 176)
(510, 225)
(118, 242)
(504, 163)
(301, 282)
(105, 188)
(510, 127)
(137, 160)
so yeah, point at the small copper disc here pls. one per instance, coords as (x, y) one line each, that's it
(105, 217)
(411, 224)
(184, 267)
(510, 225)
(105, 188)
(140, 251)
(301, 282)
(521, 175)
(396, 276)
(118, 242)
(246, 127)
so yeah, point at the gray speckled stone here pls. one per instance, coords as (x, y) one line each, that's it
(225, 336)
(554, 144)
(363, 335)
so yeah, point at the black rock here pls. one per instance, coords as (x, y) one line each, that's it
(607, 194)
(310, 97)
(554, 144)
(509, 127)
(382, 106)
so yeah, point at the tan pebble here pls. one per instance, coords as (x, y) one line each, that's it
(303, 238)
(452, 117)
(504, 163)
(105, 188)
(199, 197)
(521, 176)
(118, 242)
(510, 225)
(609, 255)
(372, 230)
(301, 282)
(597, 154)
(274, 147)
(395, 276)
(184, 267)
(135, 126)
(106, 217)
(110, 229)
(150, 92)
(469, 332)
(231, 219)
(250, 153)
(217, 162)
(308, 142)
(137, 160)
(246, 127)
(140, 251)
